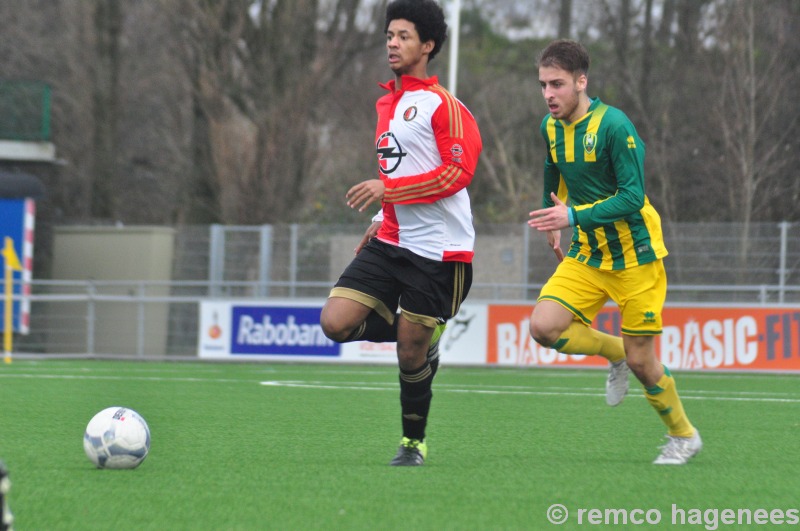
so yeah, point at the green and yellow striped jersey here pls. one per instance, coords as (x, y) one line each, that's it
(597, 165)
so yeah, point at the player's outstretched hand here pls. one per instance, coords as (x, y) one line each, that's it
(365, 193)
(555, 217)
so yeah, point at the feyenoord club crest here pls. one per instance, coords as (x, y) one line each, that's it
(410, 114)
(390, 153)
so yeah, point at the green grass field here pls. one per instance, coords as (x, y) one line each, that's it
(311, 450)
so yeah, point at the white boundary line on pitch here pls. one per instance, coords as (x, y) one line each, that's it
(739, 396)
(464, 370)
(118, 378)
(549, 388)
(502, 390)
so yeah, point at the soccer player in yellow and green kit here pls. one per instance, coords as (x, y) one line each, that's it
(594, 184)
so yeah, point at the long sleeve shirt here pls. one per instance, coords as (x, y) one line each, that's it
(427, 144)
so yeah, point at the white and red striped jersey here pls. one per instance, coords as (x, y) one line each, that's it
(428, 145)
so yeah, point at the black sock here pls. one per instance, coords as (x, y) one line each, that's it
(415, 400)
(375, 329)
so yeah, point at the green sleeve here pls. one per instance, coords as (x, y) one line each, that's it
(552, 177)
(627, 160)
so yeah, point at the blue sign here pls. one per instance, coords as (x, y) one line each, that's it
(13, 225)
(282, 330)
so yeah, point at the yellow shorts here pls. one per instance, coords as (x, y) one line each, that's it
(639, 291)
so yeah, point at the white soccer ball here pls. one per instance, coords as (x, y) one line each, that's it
(117, 437)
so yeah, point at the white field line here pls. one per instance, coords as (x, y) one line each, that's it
(587, 391)
(118, 378)
(525, 372)
(519, 390)
(737, 396)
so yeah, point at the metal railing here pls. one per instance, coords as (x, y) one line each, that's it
(703, 254)
(128, 318)
(723, 264)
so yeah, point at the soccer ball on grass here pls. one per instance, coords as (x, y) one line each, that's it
(117, 437)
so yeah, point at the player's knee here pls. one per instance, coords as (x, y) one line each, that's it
(641, 357)
(411, 354)
(333, 328)
(544, 335)
(642, 371)
(648, 371)
(635, 364)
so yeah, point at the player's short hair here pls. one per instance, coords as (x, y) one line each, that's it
(567, 55)
(427, 16)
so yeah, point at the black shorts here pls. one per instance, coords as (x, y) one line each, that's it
(429, 290)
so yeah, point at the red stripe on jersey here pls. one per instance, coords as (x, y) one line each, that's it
(389, 231)
(458, 256)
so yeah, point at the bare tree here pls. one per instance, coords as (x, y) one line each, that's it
(258, 79)
(49, 41)
(565, 18)
(108, 16)
(755, 88)
(664, 32)
(254, 111)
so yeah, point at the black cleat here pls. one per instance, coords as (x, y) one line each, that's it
(412, 452)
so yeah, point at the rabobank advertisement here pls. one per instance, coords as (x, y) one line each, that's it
(274, 330)
(279, 330)
(286, 330)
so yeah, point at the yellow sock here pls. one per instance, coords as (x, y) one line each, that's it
(581, 339)
(665, 400)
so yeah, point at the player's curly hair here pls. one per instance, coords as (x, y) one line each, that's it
(427, 16)
(566, 54)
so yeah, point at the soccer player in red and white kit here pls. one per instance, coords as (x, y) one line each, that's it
(416, 256)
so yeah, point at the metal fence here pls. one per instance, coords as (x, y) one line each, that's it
(717, 263)
(757, 263)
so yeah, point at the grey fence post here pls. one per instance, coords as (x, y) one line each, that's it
(265, 260)
(784, 225)
(90, 316)
(140, 313)
(216, 258)
(526, 249)
(294, 231)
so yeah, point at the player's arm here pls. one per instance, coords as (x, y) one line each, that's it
(459, 143)
(553, 183)
(627, 158)
(555, 192)
(370, 233)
